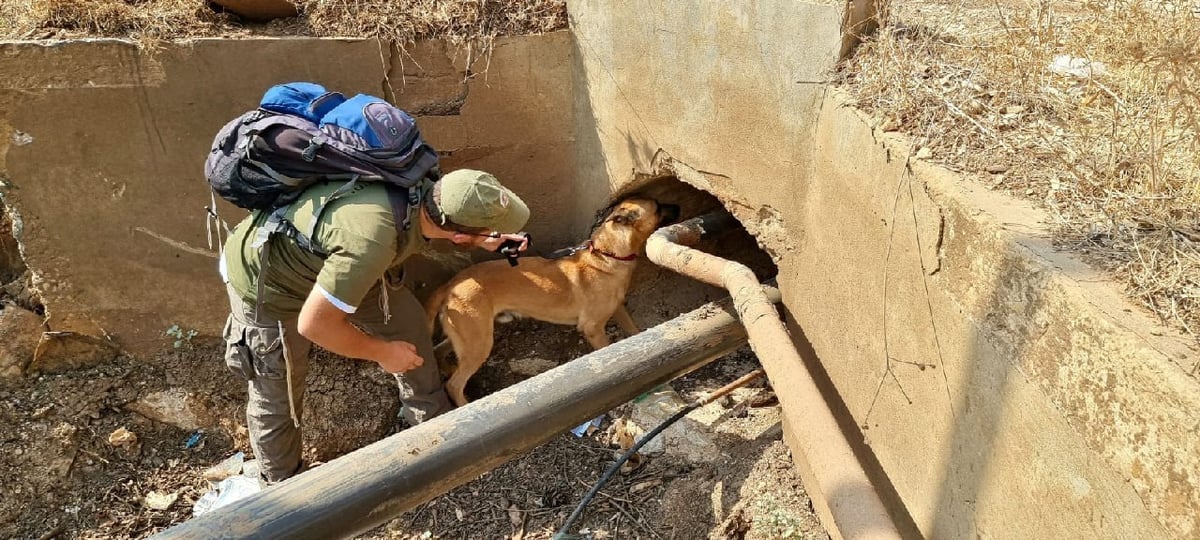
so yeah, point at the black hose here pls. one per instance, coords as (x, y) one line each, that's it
(562, 533)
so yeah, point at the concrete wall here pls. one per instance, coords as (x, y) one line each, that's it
(1004, 390)
(1024, 396)
(102, 146)
(1001, 389)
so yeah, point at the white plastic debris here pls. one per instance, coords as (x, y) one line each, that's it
(1065, 64)
(587, 428)
(229, 490)
(21, 138)
(233, 487)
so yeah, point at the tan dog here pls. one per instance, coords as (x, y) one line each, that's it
(586, 289)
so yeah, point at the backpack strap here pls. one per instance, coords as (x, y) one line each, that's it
(277, 224)
(402, 199)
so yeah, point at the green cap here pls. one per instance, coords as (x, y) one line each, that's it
(476, 199)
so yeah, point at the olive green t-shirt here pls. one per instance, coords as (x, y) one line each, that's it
(357, 230)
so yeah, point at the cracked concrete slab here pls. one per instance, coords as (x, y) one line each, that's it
(103, 144)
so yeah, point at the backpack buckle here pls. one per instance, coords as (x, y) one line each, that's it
(314, 144)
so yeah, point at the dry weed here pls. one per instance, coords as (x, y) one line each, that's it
(458, 20)
(1111, 150)
(403, 22)
(136, 19)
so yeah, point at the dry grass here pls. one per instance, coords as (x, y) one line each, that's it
(455, 19)
(1114, 156)
(401, 21)
(146, 19)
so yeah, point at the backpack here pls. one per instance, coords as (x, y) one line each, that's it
(301, 134)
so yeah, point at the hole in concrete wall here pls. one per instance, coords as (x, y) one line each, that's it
(15, 286)
(736, 245)
(11, 264)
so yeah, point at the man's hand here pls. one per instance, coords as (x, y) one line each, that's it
(493, 242)
(400, 356)
(324, 324)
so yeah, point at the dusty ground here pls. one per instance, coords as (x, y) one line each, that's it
(64, 478)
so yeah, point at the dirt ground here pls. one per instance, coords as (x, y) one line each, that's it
(64, 479)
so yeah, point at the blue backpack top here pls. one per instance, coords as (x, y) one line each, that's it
(304, 99)
(301, 134)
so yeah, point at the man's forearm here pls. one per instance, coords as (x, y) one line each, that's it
(326, 325)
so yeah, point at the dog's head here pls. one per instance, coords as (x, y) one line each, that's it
(631, 221)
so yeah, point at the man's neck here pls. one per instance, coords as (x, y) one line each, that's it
(429, 230)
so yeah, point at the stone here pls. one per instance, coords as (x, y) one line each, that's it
(159, 501)
(58, 352)
(65, 437)
(122, 438)
(20, 330)
(531, 366)
(176, 407)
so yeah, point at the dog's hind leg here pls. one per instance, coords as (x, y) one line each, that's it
(625, 321)
(441, 352)
(472, 339)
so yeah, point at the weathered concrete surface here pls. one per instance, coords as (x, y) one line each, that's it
(1005, 390)
(711, 84)
(102, 146)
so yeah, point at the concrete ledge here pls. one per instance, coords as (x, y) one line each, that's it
(1007, 389)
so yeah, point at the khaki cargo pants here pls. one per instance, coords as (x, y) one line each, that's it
(262, 351)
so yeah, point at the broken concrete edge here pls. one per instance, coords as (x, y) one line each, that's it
(764, 223)
(1106, 364)
(51, 352)
(23, 325)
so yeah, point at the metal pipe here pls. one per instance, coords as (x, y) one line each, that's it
(852, 503)
(374, 484)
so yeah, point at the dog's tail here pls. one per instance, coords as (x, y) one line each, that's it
(433, 305)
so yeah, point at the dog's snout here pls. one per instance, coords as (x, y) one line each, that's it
(667, 213)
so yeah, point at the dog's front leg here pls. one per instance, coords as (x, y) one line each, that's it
(593, 332)
(625, 321)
